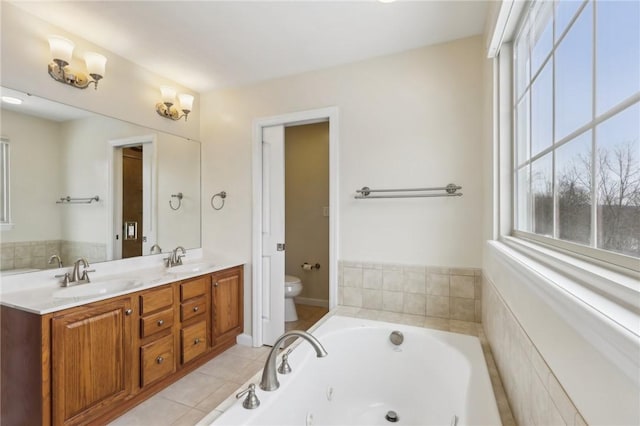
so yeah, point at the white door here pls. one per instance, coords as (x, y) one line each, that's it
(272, 233)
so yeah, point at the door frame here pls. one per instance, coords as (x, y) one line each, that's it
(114, 189)
(290, 119)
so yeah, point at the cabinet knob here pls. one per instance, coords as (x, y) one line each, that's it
(195, 309)
(159, 360)
(215, 284)
(196, 341)
(128, 312)
(160, 322)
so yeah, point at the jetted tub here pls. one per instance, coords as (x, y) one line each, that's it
(432, 378)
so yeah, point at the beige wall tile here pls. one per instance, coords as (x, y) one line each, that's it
(352, 296)
(462, 286)
(372, 278)
(437, 270)
(352, 277)
(463, 309)
(392, 280)
(372, 314)
(438, 306)
(478, 310)
(461, 271)
(415, 303)
(438, 284)
(477, 282)
(436, 323)
(463, 327)
(392, 301)
(371, 299)
(415, 282)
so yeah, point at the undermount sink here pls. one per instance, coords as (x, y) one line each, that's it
(194, 267)
(96, 288)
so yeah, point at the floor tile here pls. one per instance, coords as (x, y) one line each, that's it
(154, 411)
(192, 388)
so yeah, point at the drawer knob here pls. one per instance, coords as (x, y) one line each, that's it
(159, 360)
(128, 312)
(196, 341)
(195, 308)
(160, 322)
(215, 284)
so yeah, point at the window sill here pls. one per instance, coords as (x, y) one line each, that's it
(611, 322)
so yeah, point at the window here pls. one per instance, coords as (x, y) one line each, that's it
(5, 217)
(576, 109)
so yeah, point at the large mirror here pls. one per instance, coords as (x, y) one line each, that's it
(79, 184)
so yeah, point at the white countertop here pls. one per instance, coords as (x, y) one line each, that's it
(37, 292)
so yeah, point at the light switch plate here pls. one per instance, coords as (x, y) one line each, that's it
(325, 211)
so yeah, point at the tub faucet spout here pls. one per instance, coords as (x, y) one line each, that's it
(269, 380)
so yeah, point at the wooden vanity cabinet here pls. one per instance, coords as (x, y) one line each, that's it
(226, 305)
(91, 363)
(91, 359)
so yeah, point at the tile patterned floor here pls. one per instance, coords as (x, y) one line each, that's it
(196, 395)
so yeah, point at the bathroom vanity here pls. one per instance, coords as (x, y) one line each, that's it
(91, 362)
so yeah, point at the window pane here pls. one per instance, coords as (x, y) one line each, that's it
(565, 10)
(574, 76)
(573, 183)
(542, 110)
(618, 52)
(542, 34)
(522, 129)
(542, 194)
(4, 163)
(521, 58)
(523, 206)
(618, 142)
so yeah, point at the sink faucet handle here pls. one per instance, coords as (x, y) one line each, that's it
(251, 401)
(85, 275)
(65, 279)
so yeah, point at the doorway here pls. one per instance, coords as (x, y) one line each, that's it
(306, 188)
(132, 205)
(132, 189)
(269, 219)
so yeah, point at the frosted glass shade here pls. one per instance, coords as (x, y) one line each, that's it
(186, 102)
(168, 94)
(61, 48)
(95, 63)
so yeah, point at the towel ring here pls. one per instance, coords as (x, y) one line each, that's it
(222, 195)
(179, 197)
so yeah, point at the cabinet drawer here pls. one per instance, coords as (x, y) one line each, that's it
(193, 308)
(156, 299)
(194, 288)
(156, 322)
(194, 341)
(157, 360)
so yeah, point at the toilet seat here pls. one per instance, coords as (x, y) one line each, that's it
(291, 280)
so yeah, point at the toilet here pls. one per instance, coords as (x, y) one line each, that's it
(292, 288)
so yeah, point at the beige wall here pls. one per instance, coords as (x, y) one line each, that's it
(306, 193)
(35, 145)
(411, 119)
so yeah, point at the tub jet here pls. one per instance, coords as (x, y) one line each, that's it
(392, 416)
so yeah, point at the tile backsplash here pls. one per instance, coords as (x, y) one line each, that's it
(35, 254)
(453, 293)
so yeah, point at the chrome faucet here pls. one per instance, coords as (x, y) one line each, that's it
(269, 380)
(75, 275)
(175, 258)
(154, 248)
(55, 257)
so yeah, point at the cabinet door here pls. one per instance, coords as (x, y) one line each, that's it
(227, 305)
(91, 360)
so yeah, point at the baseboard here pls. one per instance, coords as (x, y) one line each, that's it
(244, 339)
(313, 302)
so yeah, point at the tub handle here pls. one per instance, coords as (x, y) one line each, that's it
(251, 401)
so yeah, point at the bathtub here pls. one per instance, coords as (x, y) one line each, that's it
(432, 378)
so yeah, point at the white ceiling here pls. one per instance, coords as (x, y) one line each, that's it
(206, 45)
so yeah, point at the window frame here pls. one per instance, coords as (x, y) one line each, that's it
(5, 206)
(524, 28)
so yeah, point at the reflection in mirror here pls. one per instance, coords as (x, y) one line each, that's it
(84, 185)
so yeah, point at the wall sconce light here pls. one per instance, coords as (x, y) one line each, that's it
(167, 109)
(59, 69)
